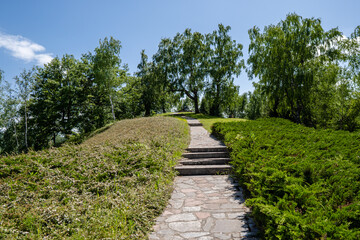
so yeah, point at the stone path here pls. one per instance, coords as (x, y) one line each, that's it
(200, 137)
(204, 207)
(205, 154)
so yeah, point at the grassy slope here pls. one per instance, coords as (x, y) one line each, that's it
(303, 183)
(111, 186)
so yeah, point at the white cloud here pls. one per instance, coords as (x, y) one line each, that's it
(24, 49)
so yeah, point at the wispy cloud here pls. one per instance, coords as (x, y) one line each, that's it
(25, 49)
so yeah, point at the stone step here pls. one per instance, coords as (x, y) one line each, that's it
(208, 149)
(204, 161)
(195, 124)
(202, 169)
(193, 155)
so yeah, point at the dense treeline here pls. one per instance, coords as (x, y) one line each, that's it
(68, 97)
(306, 74)
(65, 97)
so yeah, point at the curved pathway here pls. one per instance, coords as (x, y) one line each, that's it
(207, 206)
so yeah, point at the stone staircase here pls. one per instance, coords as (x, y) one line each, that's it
(204, 160)
(207, 206)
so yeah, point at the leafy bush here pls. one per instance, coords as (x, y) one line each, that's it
(302, 183)
(111, 186)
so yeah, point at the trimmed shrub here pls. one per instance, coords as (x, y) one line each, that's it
(302, 183)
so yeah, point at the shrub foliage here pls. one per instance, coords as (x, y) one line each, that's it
(302, 183)
(112, 186)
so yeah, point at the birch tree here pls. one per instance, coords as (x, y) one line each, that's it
(224, 62)
(107, 62)
(24, 84)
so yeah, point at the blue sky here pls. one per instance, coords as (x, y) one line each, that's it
(32, 32)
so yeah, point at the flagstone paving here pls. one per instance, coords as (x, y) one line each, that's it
(200, 137)
(205, 207)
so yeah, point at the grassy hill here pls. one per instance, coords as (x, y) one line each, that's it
(111, 186)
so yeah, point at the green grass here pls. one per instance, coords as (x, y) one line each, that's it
(302, 183)
(112, 186)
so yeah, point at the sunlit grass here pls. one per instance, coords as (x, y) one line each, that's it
(112, 186)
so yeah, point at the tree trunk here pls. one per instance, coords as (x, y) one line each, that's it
(147, 109)
(196, 102)
(54, 138)
(26, 128)
(112, 107)
(16, 138)
(273, 111)
(217, 99)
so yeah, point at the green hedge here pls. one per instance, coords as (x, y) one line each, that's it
(302, 183)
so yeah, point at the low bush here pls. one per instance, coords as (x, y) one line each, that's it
(302, 183)
(112, 186)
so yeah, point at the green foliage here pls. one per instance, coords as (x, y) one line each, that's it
(181, 63)
(9, 136)
(154, 94)
(111, 186)
(186, 60)
(66, 97)
(25, 84)
(302, 183)
(254, 107)
(147, 85)
(224, 62)
(283, 57)
(306, 74)
(107, 73)
(56, 101)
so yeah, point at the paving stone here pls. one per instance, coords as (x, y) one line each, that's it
(212, 206)
(219, 215)
(236, 235)
(193, 234)
(185, 226)
(202, 215)
(181, 217)
(177, 195)
(192, 203)
(191, 209)
(191, 194)
(188, 190)
(221, 236)
(209, 223)
(227, 226)
(237, 215)
(206, 238)
(219, 200)
(167, 232)
(172, 238)
(231, 205)
(165, 213)
(153, 236)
